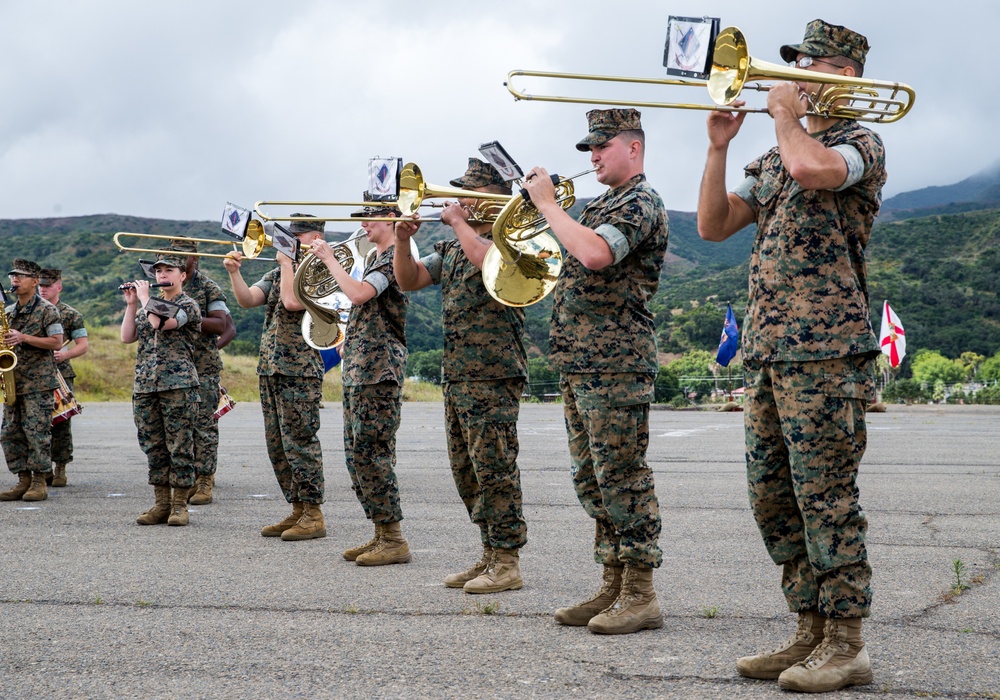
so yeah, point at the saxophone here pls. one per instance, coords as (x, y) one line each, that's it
(8, 359)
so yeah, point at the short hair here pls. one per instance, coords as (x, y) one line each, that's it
(845, 62)
(633, 135)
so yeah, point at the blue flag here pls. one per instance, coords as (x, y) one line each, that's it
(730, 341)
(331, 358)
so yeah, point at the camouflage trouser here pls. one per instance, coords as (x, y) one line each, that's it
(481, 420)
(291, 423)
(607, 422)
(805, 436)
(371, 419)
(27, 432)
(62, 436)
(165, 422)
(206, 428)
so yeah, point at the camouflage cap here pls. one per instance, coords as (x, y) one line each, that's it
(169, 260)
(297, 227)
(184, 245)
(822, 40)
(480, 174)
(605, 124)
(25, 268)
(49, 276)
(373, 210)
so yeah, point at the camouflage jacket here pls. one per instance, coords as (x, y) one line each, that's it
(73, 328)
(375, 347)
(808, 296)
(36, 368)
(164, 360)
(601, 321)
(482, 337)
(282, 348)
(209, 297)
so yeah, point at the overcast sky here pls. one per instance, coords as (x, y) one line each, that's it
(171, 109)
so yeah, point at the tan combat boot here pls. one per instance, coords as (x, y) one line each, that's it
(310, 526)
(159, 513)
(635, 609)
(840, 660)
(391, 548)
(355, 552)
(201, 495)
(58, 475)
(581, 613)
(502, 574)
(23, 484)
(37, 491)
(769, 664)
(288, 523)
(179, 507)
(460, 579)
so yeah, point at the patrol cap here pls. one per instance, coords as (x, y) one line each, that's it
(297, 227)
(49, 276)
(25, 268)
(605, 124)
(480, 174)
(825, 40)
(169, 260)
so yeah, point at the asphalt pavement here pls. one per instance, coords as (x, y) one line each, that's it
(94, 606)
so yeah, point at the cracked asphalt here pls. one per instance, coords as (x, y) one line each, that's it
(94, 606)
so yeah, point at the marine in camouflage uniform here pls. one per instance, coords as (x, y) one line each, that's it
(211, 302)
(484, 369)
(26, 433)
(374, 365)
(290, 375)
(601, 340)
(74, 330)
(165, 389)
(808, 355)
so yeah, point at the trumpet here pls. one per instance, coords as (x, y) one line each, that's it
(734, 70)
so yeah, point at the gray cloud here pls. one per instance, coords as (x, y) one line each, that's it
(171, 110)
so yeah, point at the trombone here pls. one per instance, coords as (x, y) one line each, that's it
(734, 70)
(413, 190)
(254, 241)
(122, 234)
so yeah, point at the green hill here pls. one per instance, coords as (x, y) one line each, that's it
(940, 272)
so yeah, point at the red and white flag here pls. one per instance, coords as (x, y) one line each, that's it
(893, 337)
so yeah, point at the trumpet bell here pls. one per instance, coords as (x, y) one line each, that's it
(527, 279)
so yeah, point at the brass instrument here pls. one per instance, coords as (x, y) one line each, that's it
(8, 358)
(323, 324)
(327, 307)
(522, 266)
(734, 70)
(413, 191)
(255, 241)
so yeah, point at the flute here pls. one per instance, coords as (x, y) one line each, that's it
(131, 285)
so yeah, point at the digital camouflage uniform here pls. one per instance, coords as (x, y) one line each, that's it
(165, 389)
(62, 432)
(373, 369)
(808, 355)
(27, 424)
(602, 342)
(484, 368)
(291, 389)
(209, 297)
